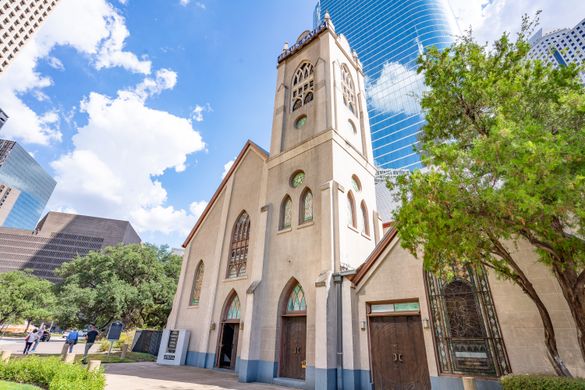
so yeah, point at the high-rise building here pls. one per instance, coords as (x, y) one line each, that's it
(560, 47)
(58, 238)
(19, 19)
(3, 118)
(388, 36)
(26, 187)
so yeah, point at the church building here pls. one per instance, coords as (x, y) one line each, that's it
(291, 276)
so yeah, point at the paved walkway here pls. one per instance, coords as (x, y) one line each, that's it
(54, 346)
(150, 376)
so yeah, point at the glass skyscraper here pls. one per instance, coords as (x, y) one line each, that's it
(26, 187)
(388, 36)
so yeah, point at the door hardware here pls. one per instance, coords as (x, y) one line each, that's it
(395, 357)
(400, 358)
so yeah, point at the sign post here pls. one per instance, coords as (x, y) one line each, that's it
(173, 347)
(114, 333)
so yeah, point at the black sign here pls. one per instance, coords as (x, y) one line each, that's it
(169, 357)
(173, 339)
(115, 330)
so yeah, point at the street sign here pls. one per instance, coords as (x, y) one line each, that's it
(115, 331)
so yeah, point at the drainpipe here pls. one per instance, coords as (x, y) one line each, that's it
(338, 280)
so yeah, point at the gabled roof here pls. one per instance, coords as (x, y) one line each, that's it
(249, 145)
(374, 256)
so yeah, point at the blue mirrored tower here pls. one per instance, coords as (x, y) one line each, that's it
(388, 36)
(25, 187)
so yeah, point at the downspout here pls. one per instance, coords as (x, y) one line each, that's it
(338, 280)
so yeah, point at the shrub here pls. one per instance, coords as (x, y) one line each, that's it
(104, 345)
(51, 373)
(541, 382)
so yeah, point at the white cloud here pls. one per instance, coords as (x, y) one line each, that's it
(490, 18)
(55, 63)
(226, 168)
(184, 2)
(398, 89)
(198, 111)
(197, 208)
(200, 5)
(92, 27)
(118, 154)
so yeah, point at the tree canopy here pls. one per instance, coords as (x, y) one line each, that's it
(24, 296)
(132, 283)
(505, 161)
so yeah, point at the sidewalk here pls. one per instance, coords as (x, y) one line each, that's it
(150, 376)
(52, 347)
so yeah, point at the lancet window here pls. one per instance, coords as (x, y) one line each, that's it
(348, 89)
(239, 247)
(286, 213)
(306, 212)
(197, 283)
(302, 86)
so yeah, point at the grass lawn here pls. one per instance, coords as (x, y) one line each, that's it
(16, 386)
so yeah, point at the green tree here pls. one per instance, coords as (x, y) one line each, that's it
(24, 296)
(132, 283)
(503, 147)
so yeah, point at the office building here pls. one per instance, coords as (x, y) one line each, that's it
(19, 19)
(58, 238)
(560, 47)
(388, 36)
(3, 118)
(30, 187)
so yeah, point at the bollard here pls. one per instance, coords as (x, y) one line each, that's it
(64, 351)
(94, 365)
(5, 356)
(69, 358)
(124, 351)
(469, 383)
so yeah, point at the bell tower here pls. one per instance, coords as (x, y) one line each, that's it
(320, 87)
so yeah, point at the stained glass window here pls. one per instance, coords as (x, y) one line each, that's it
(296, 300)
(365, 222)
(299, 123)
(197, 283)
(351, 220)
(297, 179)
(302, 86)
(467, 332)
(307, 206)
(233, 312)
(286, 213)
(355, 183)
(348, 89)
(239, 247)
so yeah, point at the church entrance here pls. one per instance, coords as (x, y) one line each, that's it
(293, 342)
(397, 350)
(227, 350)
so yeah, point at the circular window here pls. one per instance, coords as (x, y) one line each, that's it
(355, 183)
(297, 179)
(352, 127)
(300, 122)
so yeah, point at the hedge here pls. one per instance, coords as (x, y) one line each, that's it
(51, 373)
(541, 382)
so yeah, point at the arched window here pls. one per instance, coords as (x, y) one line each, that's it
(302, 86)
(351, 219)
(356, 183)
(197, 283)
(365, 219)
(467, 332)
(348, 89)
(233, 310)
(306, 203)
(296, 300)
(239, 247)
(286, 213)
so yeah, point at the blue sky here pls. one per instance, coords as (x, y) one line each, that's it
(136, 107)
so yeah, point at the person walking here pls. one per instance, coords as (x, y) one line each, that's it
(71, 339)
(29, 340)
(40, 334)
(90, 340)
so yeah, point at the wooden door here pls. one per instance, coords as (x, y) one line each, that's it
(228, 348)
(293, 347)
(397, 352)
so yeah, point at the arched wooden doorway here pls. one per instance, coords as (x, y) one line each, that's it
(293, 339)
(227, 349)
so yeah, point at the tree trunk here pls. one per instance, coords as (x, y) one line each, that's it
(27, 325)
(575, 298)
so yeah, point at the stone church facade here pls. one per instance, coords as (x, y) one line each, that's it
(290, 277)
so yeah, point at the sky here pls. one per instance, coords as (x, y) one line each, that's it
(138, 108)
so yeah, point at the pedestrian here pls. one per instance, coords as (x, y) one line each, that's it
(40, 334)
(71, 339)
(29, 340)
(90, 340)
